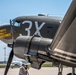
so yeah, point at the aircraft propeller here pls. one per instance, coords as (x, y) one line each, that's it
(11, 53)
(9, 60)
(11, 30)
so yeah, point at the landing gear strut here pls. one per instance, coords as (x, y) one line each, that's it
(73, 71)
(60, 69)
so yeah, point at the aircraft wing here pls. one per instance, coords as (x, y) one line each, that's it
(64, 43)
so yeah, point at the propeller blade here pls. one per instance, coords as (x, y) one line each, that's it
(9, 61)
(11, 30)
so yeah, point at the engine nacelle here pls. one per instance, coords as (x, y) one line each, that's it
(34, 49)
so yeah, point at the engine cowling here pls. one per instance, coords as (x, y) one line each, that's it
(34, 49)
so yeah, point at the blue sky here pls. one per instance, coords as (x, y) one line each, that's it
(10, 9)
